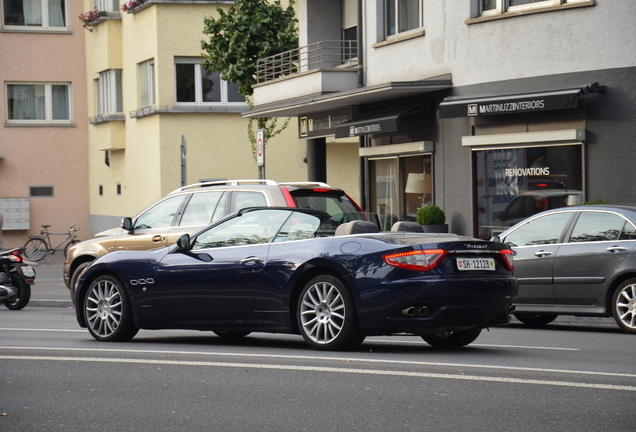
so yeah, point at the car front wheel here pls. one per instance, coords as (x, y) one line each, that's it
(107, 311)
(624, 306)
(326, 315)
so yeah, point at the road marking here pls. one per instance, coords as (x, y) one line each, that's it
(326, 369)
(344, 359)
(43, 330)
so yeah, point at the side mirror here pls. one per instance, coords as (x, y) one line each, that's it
(184, 242)
(127, 224)
(495, 239)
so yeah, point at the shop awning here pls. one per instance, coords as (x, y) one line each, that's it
(377, 123)
(474, 106)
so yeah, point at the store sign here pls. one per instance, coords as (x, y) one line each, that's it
(511, 104)
(322, 124)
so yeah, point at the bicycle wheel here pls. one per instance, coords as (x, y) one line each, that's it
(35, 249)
(68, 246)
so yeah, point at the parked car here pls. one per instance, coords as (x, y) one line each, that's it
(190, 208)
(281, 270)
(531, 202)
(576, 261)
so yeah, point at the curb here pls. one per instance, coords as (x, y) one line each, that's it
(51, 303)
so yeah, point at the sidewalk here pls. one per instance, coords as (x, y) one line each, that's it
(49, 289)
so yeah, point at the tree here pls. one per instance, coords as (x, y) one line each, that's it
(248, 31)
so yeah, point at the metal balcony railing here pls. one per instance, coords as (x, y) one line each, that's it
(319, 55)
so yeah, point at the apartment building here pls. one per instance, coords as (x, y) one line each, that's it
(157, 118)
(44, 133)
(482, 107)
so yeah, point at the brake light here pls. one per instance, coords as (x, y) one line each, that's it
(289, 199)
(542, 185)
(508, 259)
(320, 190)
(16, 257)
(419, 260)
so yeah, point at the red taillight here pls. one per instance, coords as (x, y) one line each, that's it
(16, 257)
(419, 260)
(542, 185)
(320, 190)
(289, 199)
(508, 260)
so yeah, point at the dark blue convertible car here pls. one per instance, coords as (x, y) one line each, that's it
(282, 270)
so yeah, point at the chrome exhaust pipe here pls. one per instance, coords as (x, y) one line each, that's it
(423, 311)
(409, 311)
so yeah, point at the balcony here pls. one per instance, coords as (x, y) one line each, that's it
(317, 69)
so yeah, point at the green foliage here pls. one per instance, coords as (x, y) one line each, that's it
(431, 215)
(250, 30)
(598, 201)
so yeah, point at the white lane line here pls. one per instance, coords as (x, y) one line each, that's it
(333, 359)
(43, 330)
(327, 369)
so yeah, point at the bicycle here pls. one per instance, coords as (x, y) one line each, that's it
(37, 247)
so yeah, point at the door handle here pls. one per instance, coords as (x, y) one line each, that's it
(158, 238)
(250, 260)
(542, 253)
(615, 249)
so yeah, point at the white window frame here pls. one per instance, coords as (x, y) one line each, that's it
(107, 5)
(198, 85)
(396, 12)
(503, 6)
(147, 83)
(109, 92)
(48, 103)
(45, 26)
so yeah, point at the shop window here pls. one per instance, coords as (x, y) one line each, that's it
(34, 15)
(398, 187)
(513, 184)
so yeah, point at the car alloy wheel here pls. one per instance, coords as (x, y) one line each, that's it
(107, 311)
(624, 306)
(326, 316)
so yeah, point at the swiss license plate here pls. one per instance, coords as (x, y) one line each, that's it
(28, 271)
(476, 264)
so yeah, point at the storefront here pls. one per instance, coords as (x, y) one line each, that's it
(524, 160)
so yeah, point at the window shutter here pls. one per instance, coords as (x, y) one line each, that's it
(349, 13)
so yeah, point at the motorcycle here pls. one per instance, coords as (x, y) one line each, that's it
(16, 278)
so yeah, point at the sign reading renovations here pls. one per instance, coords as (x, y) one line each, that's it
(322, 124)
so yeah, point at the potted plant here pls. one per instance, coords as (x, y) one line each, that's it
(432, 219)
(87, 18)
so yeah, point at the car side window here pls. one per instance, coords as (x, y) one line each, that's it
(244, 199)
(541, 231)
(629, 232)
(248, 229)
(161, 215)
(299, 226)
(200, 208)
(593, 226)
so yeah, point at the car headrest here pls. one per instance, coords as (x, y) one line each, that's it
(407, 226)
(357, 227)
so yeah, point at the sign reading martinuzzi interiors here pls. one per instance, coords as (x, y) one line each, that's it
(508, 104)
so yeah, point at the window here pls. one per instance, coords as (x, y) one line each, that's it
(36, 14)
(109, 95)
(241, 200)
(37, 103)
(401, 16)
(100, 190)
(107, 5)
(118, 189)
(496, 7)
(196, 85)
(592, 226)
(161, 215)
(147, 83)
(40, 191)
(203, 208)
(541, 231)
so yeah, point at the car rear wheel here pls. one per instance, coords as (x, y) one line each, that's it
(326, 315)
(536, 320)
(454, 339)
(107, 311)
(624, 306)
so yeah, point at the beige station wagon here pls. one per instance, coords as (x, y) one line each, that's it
(190, 208)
